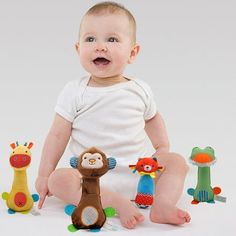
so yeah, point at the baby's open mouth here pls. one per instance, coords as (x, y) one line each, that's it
(101, 61)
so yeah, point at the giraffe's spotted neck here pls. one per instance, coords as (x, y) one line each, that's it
(20, 179)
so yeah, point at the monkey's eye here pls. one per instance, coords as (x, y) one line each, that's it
(86, 155)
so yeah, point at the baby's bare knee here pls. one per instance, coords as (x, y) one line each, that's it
(61, 179)
(55, 179)
(174, 161)
(180, 162)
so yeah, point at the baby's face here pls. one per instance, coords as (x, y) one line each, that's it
(106, 44)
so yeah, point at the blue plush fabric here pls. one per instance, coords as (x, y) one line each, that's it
(146, 185)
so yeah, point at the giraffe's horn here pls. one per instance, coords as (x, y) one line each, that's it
(13, 145)
(30, 145)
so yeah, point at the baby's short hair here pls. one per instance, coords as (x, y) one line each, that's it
(113, 7)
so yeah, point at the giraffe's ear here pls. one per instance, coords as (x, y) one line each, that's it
(30, 145)
(13, 145)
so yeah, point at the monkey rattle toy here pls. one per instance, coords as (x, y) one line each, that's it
(91, 164)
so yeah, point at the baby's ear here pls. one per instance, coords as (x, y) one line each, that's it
(134, 52)
(77, 47)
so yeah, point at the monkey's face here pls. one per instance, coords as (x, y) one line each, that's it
(92, 161)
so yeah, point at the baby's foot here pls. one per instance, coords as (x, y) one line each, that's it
(167, 214)
(129, 214)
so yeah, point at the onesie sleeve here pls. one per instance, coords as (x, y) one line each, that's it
(68, 101)
(150, 109)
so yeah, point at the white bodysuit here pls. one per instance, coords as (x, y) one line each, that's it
(112, 119)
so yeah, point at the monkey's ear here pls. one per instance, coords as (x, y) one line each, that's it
(74, 162)
(111, 163)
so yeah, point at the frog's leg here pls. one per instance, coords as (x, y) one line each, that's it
(195, 202)
(190, 191)
(217, 190)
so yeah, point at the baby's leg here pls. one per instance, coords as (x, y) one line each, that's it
(65, 184)
(169, 188)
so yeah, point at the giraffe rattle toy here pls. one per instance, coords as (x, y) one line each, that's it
(19, 198)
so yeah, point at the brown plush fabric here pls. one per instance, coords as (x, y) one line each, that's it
(89, 214)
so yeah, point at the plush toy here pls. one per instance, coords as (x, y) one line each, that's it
(19, 199)
(147, 168)
(204, 158)
(91, 164)
(109, 212)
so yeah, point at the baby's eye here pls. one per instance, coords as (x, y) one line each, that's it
(90, 39)
(112, 39)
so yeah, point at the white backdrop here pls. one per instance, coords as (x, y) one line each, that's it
(188, 56)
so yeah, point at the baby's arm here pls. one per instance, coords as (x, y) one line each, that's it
(53, 149)
(156, 131)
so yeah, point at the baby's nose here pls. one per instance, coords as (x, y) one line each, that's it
(101, 47)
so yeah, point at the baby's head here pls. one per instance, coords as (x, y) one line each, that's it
(107, 39)
(117, 10)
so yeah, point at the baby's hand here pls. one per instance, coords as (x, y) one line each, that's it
(42, 189)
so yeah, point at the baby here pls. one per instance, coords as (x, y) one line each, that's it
(114, 113)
